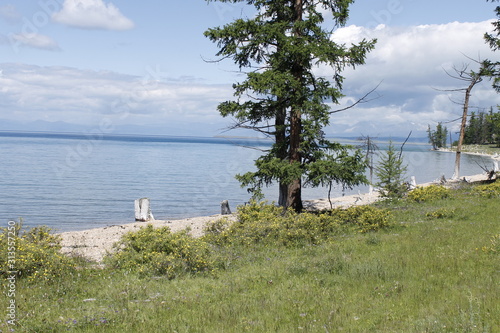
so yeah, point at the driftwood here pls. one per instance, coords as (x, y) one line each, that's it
(413, 183)
(224, 208)
(143, 210)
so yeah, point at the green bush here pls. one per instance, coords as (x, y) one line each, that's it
(487, 191)
(442, 213)
(365, 218)
(263, 223)
(158, 251)
(33, 253)
(429, 193)
(494, 246)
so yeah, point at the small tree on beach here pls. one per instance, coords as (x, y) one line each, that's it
(391, 171)
(282, 97)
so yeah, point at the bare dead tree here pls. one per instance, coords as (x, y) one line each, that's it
(471, 78)
(371, 148)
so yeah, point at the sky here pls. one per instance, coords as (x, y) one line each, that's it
(145, 67)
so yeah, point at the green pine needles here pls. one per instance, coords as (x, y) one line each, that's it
(391, 172)
(283, 98)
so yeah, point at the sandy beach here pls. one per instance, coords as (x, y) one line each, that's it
(93, 244)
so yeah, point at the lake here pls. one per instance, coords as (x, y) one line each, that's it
(81, 181)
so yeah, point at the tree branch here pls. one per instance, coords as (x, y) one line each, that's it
(401, 152)
(363, 99)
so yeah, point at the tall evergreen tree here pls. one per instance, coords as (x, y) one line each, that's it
(471, 130)
(492, 68)
(495, 128)
(281, 95)
(438, 137)
(480, 128)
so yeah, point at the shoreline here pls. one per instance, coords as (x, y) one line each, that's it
(495, 157)
(93, 244)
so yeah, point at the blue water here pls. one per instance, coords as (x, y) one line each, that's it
(75, 181)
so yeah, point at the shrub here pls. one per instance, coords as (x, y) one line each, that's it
(364, 218)
(441, 213)
(429, 193)
(158, 251)
(263, 223)
(487, 191)
(33, 253)
(215, 231)
(494, 246)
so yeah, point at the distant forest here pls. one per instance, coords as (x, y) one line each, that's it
(482, 128)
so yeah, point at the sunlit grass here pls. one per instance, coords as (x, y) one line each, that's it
(489, 149)
(427, 274)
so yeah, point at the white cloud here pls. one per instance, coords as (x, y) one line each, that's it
(92, 14)
(34, 40)
(409, 62)
(10, 14)
(30, 93)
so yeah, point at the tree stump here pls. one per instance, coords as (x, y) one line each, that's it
(413, 183)
(143, 210)
(224, 208)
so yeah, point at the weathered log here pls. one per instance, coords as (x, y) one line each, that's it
(143, 210)
(413, 183)
(224, 208)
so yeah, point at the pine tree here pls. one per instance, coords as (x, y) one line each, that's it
(282, 97)
(438, 137)
(390, 171)
(470, 130)
(491, 68)
(495, 124)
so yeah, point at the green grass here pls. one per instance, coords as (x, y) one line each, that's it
(429, 273)
(489, 149)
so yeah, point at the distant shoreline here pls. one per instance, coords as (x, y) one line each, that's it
(107, 133)
(495, 157)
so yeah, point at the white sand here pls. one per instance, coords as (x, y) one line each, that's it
(94, 243)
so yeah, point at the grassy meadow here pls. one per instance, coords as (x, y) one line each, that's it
(487, 149)
(434, 268)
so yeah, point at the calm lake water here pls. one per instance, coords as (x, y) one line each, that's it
(75, 182)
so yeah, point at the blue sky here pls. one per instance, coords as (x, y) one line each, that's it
(140, 66)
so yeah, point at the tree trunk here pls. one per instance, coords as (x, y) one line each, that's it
(282, 147)
(294, 195)
(456, 173)
(283, 194)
